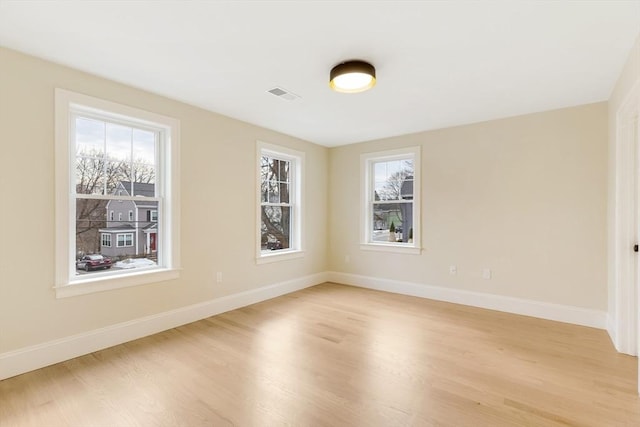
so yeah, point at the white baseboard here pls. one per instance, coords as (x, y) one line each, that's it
(611, 330)
(543, 310)
(38, 356)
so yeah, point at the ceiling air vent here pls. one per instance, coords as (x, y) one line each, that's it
(283, 94)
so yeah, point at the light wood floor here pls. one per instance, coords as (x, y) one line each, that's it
(335, 355)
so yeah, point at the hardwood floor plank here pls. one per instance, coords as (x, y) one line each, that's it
(335, 355)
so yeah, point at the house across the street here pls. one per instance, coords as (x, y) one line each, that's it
(132, 225)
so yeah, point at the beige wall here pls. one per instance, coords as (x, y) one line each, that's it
(629, 76)
(218, 208)
(524, 196)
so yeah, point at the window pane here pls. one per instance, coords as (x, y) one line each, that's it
(89, 137)
(144, 174)
(264, 167)
(283, 190)
(90, 175)
(406, 188)
(276, 227)
(116, 178)
(283, 171)
(273, 192)
(274, 164)
(400, 215)
(118, 142)
(144, 147)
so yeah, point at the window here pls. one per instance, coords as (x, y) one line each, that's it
(107, 152)
(279, 203)
(153, 215)
(391, 200)
(124, 240)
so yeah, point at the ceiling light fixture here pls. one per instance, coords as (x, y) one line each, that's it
(352, 77)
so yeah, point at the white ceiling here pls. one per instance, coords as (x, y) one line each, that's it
(439, 63)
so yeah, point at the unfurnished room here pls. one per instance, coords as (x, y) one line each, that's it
(319, 213)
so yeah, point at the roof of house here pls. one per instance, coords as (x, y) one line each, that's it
(139, 188)
(122, 227)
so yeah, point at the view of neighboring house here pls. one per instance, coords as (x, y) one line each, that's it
(132, 225)
(400, 214)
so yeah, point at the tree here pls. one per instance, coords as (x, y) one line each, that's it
(276, 220)
(392, 189)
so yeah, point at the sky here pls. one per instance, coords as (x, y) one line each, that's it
(119, 142)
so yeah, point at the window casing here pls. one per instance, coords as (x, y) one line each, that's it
(279, 214)
(391, 201)
(130, 215)
(124, 240)
(103, 150)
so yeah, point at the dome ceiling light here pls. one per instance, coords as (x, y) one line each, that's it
(352, 77)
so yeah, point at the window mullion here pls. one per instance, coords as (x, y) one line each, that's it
(104, 159)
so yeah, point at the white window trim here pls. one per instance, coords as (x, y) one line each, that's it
(366, 187)
(153, 214)
(102, 239)
(296, 242)
(130, 215)
(67, 284)
(124, 240)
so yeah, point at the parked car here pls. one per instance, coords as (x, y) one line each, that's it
(135, 263)
(93, 262)
(274, 245)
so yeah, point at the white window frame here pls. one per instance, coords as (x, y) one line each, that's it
(153, 216)
(124, 240)
(103, 240)
(119, 216)
(367, 186)
(130, 215)
(296, 238)
(111, 215)
(67, 283)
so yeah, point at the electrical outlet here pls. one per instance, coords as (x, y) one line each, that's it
(453, 269)
(486, 273)
(219, 277)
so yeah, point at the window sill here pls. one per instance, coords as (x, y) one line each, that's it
(389, 247)
(109, 282)
(278, 256)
